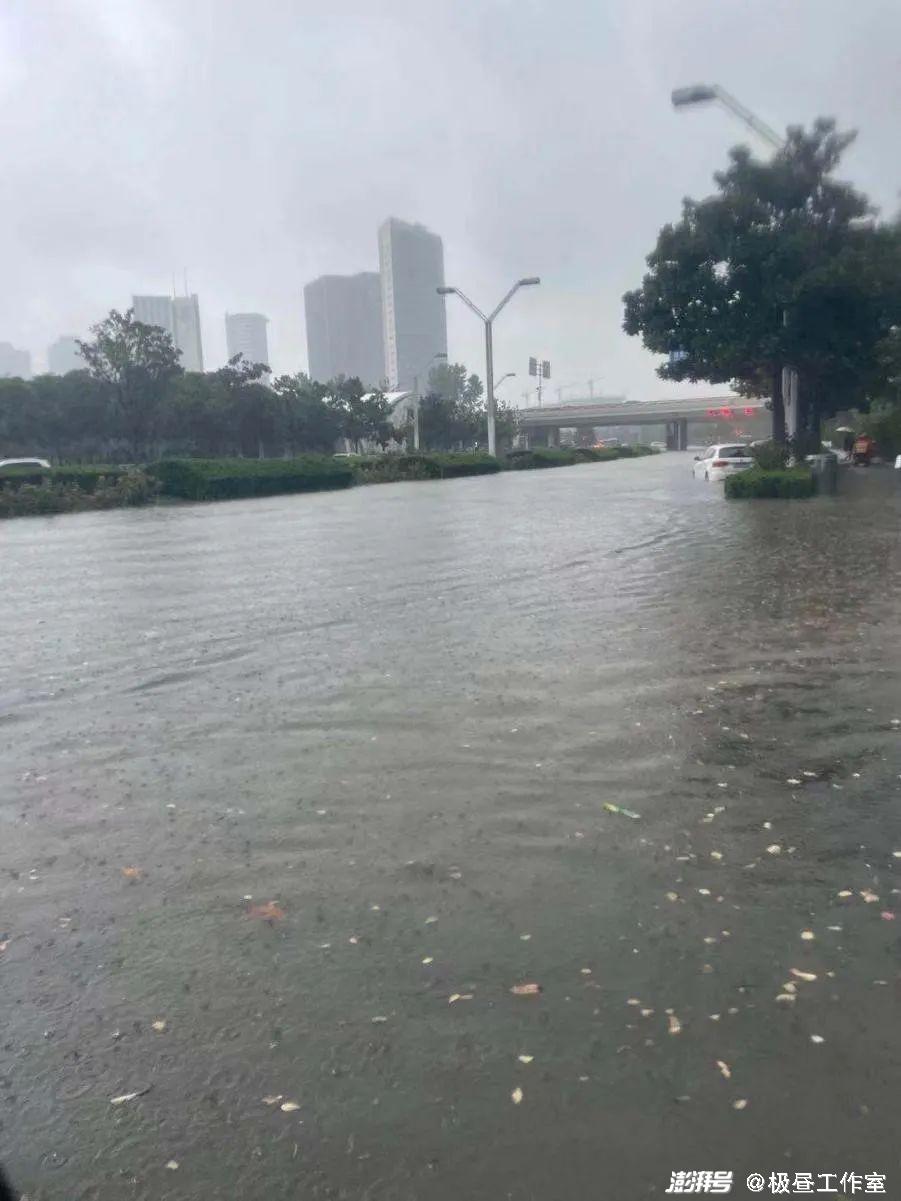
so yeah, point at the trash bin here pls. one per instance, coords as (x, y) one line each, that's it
(825, 473)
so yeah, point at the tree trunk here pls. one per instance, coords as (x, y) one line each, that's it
(778, 407)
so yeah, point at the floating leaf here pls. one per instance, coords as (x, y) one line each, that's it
(132, 873)
(724, 1068)
(741, 1103)
(525, 1058)
(798, 974)
(516, 1096)
(428, 959)
(270, 912)
(288, 1106)
(159, 1025)
(172, 1165)
(526, 990)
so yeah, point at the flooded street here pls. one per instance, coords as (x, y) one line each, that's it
(398, 713)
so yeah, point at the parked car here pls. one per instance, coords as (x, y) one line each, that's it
(40, 463)
(716, 462)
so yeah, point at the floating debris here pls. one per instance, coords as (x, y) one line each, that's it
(774, 849)
(799, 975)
(792, 780)
(896, 854)
(378, 1019)
(704, 892)
(430, 921)
(120, 1100)
(887, 915)
(459, 996)
(353, 940)
(845, 893)
(274, 1100)
(586, 971)
(725, 1070)
(611, 808)
(786, 998)
(869, 896)
(132, 873)
(516, 1096)
(716, 854)
(159, 1025)
(270, 912)
(715, 1017)
(646, 1013)
(817, 1038)
(675, 1026)
(633, 1001)
(428, 959)
(808, 935)
(525, 1058)
(525, 937)
(288, 1106)
(741, 1103)
(672, 896)
(526, 990)
(172, 1165)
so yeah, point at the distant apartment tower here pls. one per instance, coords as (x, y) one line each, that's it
(411, 261)
(344, 327)
(245, 334)
(180, 317)
(63, 356)
(14, 363)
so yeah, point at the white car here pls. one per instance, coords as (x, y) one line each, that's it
(716, 462)
(24, 463)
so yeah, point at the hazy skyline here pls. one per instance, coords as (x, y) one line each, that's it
(258, 146)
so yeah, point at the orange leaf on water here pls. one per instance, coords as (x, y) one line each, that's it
(132, 873)
(270, 912)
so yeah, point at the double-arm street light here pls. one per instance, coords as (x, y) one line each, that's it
(488, 322)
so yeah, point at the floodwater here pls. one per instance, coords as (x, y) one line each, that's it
(398, 713)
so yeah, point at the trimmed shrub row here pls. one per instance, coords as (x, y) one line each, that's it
(383, 469)
(790, 483)
(85, 477)
(542, 456)
(229, 479)
(59, 496)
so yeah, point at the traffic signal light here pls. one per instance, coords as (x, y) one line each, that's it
(533, 366)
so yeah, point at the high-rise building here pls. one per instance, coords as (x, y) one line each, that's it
(411, 261)
(63, 356)
(178, 316)
(344, 327)
(245, 334)
(186, 320)
(14, 363)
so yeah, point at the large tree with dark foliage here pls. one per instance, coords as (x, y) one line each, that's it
(136, 362)
(783, 266)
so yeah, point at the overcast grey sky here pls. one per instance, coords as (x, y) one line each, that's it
(259, 143)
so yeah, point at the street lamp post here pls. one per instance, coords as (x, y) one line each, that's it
(488, 322)
(705, 93)
(506, 375)
(440, 355)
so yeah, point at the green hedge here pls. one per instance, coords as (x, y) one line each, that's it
(567, 456)
(384, 469)
(228, 479)
(791, 483)
(65, 496)
(85, 477)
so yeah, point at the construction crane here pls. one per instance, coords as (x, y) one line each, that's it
(704, 93)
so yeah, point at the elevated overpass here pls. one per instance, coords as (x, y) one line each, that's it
(542, 426)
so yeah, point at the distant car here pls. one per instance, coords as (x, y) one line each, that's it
(23, 463)
(716, 462)
(658, 446)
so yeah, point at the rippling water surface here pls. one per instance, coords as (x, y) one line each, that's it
(399, 713)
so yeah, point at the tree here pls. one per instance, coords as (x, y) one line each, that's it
(452, 413)
(310, 424)
(251, 411)
(783, 266)
(138, 362)
(363, 416)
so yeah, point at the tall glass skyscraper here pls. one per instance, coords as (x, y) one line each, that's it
(411, 262)
(344, 327)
